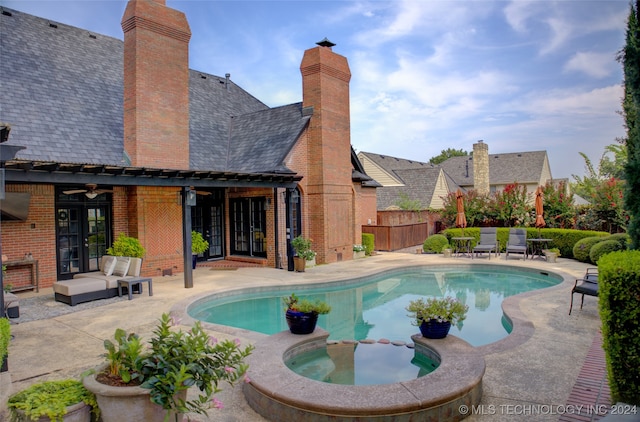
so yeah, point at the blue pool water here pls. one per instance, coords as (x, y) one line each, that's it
(374, 308)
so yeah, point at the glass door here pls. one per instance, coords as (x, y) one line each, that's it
(248, 225)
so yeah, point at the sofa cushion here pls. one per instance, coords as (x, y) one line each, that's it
(109, 264)
(122, 266)
(78, 286)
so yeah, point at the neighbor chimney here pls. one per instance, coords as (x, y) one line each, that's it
(325, 87)
(481, 168)
(156, 85)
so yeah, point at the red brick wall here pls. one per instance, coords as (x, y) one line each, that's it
(156, 85)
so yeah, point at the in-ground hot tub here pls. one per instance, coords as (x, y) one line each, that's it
(278, 393)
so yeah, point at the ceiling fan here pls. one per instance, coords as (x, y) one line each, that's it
(91, 191)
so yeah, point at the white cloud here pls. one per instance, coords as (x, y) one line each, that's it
(596, 65)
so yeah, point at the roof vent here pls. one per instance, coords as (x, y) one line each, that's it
(6, 13)
(53, 25)
(202, 76)
(92, 36)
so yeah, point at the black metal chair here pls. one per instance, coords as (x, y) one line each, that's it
(588, 285)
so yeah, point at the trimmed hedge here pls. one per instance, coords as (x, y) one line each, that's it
(602, 248)
(368, 241)
(619, 304)
(582, 248)
(623, 238)
(435, 243)
(563, 239)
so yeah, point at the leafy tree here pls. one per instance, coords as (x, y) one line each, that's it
(475, 208)
(614, 168)
(405, 203)
(445, 154)
(511, 205)
(608, 203)
(630, 58)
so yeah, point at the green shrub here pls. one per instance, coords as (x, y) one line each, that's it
(5, 335)
(619, 304)
(623, 238)
(582, 248)
(126, 246)
(368, 241)
(435, 243)
(603, 248)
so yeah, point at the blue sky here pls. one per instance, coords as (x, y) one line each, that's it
(426, 75)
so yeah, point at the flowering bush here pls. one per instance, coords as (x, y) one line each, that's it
(175, 361)
(440, 309)
(302, 246)
(358, 248)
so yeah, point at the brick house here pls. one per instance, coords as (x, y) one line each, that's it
(109, 137)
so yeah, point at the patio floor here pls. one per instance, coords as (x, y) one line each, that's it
(533, 377)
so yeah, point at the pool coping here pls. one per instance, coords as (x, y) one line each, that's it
(275, 391)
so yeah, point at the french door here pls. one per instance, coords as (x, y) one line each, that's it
(248, 226)
(207, 218)
(83, 233)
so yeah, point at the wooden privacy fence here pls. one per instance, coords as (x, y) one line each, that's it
(392, 238)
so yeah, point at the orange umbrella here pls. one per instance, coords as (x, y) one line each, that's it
(539, 219)
(461, 220)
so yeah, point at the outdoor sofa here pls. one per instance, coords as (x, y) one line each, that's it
(102, 284)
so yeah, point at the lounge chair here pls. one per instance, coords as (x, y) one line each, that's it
(588, 285)
(488, 242)
(517, 242)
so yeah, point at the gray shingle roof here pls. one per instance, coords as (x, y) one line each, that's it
(61, 89)
(420, 185)
(521, 167)
(393, 163)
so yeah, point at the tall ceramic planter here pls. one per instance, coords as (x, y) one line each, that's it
(435, 329)
(301, 322)
(299, 264)
(119, 404)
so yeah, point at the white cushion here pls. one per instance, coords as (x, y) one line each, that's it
(122, 266)
(109, 264)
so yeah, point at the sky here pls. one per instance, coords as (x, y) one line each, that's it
(426, 75)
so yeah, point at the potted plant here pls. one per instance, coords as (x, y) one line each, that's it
(302, 248)
(126, 246)
(358, 251)
(551, 254)
(61, 400)
(434, 316)
(302, 314)
(198, 246)
(150, 384)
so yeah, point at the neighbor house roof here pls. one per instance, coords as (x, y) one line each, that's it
(521, 167)
(62, 92)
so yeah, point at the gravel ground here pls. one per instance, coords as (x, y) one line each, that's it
(44, 307)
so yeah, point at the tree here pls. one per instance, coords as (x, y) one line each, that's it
(608, 167)
(446, 154)
(558, 206)
(630, 58)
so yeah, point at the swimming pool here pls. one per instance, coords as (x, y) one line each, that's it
(374, 307)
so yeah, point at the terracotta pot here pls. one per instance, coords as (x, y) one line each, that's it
(119, 404)
(299, 264)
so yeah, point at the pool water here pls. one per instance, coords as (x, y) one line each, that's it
(374, 308)
(361, 364)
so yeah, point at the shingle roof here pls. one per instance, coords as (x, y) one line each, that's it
(419, 184)
(521, 167)
(61, 89)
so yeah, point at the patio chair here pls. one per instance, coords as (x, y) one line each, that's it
(517, 242)
(488, 242)
(588, 286)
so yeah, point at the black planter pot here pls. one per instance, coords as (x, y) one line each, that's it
(195, 260)
(435, 329)
(301, 322)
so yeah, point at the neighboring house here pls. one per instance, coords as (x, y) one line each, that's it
(108, 136)
(428, 183)
(402, 179)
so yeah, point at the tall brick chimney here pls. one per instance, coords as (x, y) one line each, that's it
(156, 85)
(481, 168)
(325, 87)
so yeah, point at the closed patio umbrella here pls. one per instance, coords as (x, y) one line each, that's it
(539, 210)
(461, 220)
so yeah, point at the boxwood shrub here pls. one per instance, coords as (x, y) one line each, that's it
(602, 248)
(582, 248)
(368, 241)
(619, 304)
(435, 243)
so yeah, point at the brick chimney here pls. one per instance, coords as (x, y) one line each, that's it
(481, 168)
(156, 85)
(325, 87)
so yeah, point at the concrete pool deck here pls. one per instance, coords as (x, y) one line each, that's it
(532, 379)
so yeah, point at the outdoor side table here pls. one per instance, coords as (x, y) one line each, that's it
(462, 245)
(134, 281)
(537, 246)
